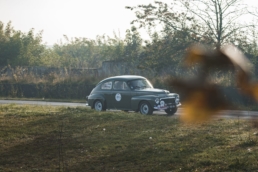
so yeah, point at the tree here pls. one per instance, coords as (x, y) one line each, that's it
(84, 52)
(76, 53)
(10, 44)
(164, 53)
(133, 46)
(17, 48)
(207, 21)
(219, 18)
(31, 49)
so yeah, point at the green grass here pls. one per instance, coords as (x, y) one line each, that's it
(44, 138)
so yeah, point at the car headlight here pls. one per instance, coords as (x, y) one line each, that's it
(177, 99)
(157, 100)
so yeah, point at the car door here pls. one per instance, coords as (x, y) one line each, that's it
(106, 90)
(121, 96)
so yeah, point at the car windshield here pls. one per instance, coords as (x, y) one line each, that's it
(139, 84)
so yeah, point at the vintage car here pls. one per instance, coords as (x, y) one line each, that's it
(131, 93)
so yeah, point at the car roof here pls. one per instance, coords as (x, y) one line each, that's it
(123, 77)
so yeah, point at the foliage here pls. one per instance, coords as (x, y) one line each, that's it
(172, 28)
(164, 54)
(26, 49)
(49, 58)
(19, 48)
(133, 48)
(209, 22)
(83, 52)
(250, 48)
(78, 53)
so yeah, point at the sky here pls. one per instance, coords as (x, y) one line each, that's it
(74, 18)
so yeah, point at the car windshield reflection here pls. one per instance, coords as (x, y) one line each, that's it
(139, 84)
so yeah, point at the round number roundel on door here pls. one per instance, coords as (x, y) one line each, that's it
(118, 97)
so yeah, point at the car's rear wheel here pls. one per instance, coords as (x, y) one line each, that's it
(99, 106)
(171, 111)
(145, 108)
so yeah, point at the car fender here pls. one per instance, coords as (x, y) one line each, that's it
(93, 97)
(137, 99)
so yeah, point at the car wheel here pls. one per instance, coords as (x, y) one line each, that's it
(145, 108)
(171, 111)
(98, 106)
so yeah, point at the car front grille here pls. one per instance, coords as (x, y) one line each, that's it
(169, 100)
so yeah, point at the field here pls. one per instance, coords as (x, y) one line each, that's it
(44, 138)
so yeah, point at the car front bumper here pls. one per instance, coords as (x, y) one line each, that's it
(158, 107)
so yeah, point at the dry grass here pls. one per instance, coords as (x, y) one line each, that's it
(37, 138)
(21, 75)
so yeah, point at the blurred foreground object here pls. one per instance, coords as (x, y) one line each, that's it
(204, 98)
(247, 87)
(202, 102)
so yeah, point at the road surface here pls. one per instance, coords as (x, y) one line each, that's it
(225, 113)
(41, 103)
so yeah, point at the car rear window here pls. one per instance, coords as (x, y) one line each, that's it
(106, 85)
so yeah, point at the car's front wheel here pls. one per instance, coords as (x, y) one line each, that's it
(99, 106)
(171, 111)
(145, 108)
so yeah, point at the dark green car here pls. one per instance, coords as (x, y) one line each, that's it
(131, 93)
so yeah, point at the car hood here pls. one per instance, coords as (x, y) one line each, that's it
(152, 91)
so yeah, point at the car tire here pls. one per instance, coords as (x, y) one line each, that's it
(145, 108)
(171, 111)
(99, 106)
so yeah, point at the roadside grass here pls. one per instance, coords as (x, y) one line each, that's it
(45, 138)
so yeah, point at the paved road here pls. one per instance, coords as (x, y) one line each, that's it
(41, 103)
(225, 113)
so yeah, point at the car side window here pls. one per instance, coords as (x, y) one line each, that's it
(120, 85)
(125, 86)
(106, 85)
